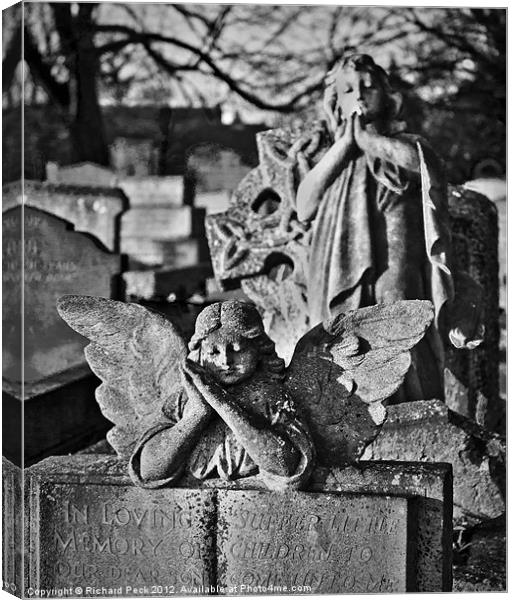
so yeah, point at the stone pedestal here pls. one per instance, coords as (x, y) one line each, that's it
(430, 431)
(378, 527)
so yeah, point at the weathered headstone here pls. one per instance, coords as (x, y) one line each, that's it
(472, 376)
(44, 367)
(91, 209)
(212, 202)
(97, 535)
(56, 261)
(215, 168)
(376, 527)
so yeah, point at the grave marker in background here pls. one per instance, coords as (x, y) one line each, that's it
(51, 380)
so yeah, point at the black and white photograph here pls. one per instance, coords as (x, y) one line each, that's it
(254, 299)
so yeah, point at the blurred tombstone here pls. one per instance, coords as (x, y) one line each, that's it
(92, 209)
(472, 376)
(216, 172)
(44, 368)
(163, 236)
(131, 156)
(85, 173)
(496, 189)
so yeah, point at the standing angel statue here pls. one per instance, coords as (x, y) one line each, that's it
(229, 407)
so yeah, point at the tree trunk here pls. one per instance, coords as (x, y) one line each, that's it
(85, 120)
(87, 128)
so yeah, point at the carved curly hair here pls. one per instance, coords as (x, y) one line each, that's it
(242, 319)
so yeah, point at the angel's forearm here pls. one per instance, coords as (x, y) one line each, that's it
(268, 449)
(391, 150)
(316, 182)
(164, 453)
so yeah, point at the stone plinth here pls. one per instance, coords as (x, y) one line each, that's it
(429, 431)
(153, 191)
(161, 223)
(376, 527)
(84, 174)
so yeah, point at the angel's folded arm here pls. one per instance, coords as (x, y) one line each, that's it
(165, 453)
(269, 449)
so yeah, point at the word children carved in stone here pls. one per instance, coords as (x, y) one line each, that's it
(332, 543)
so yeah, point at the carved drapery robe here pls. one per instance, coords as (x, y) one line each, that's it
(381, 233)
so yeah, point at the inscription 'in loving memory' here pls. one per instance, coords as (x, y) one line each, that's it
(165, 522)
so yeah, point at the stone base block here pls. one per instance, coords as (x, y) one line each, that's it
(143, 252)
(377, 527)
(163, 223)
(429, 431)
(213, 202)
(153, 191)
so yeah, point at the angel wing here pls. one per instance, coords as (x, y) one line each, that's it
(135, 352)
(343, 369)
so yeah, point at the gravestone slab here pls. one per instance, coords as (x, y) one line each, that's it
(160, 223)
(472, 376)
(407, 506)
(91, 209)
(332, 543)
(57, 261)
(110, 536)
(84, 173)
(477, 456)
(166, 192)
(176, 254)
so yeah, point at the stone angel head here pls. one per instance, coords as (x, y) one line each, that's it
(356, 84)
(229, 408)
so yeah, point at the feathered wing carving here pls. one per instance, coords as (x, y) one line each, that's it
(343, 369)
(136, 353)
